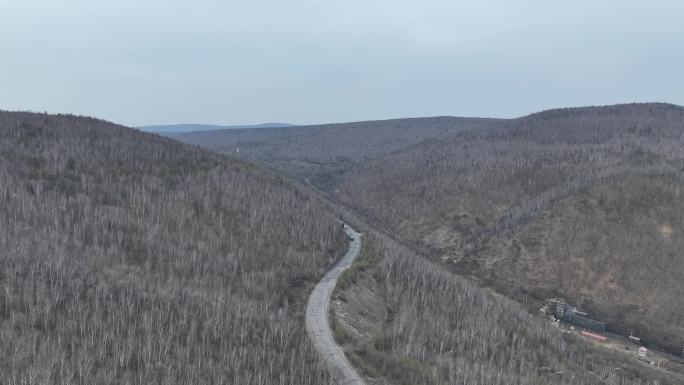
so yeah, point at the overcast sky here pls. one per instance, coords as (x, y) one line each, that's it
(239, 62)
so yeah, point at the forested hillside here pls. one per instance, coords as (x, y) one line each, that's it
(321, 153)
(403, 320)
(127, 258)
(582, 203)
(579, 203)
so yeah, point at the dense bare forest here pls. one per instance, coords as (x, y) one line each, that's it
(127, 258)
(321, 153)
(582, 203)
(404, 320)
(579, 203)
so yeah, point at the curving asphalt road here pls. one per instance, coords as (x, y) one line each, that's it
(317, 324)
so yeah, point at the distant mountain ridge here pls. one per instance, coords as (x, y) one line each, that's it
(194, 127)
(319, 153)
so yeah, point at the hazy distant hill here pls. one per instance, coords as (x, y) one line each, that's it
(128, 258)
(174, 129)
(320, 153)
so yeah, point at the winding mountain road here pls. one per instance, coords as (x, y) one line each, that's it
(317, 324)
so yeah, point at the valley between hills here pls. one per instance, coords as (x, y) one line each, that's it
(132, 258)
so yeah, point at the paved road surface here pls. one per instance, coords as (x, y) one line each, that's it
(317, 318)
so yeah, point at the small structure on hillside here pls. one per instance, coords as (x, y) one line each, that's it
(594, 336)
(561, 310)
(642, 351)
